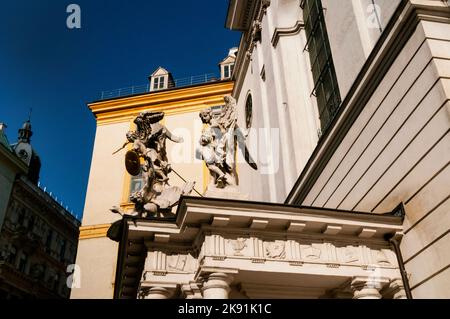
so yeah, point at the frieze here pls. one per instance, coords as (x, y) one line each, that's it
(275, 249)
(257, 250)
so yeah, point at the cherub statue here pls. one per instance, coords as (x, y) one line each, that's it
(213, 151)
(218, 144)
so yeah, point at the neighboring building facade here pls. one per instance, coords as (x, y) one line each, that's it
(38, 237)
(10, 167)
(109, 183)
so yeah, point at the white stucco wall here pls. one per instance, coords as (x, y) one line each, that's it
(283, 111)
(353, 30)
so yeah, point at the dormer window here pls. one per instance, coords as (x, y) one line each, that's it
(227, 65)
(161, 79)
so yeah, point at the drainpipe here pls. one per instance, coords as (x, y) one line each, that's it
(399, 211)
(396, 246)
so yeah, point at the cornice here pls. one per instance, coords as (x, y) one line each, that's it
(200, 217)
(93, 231)
(281, 32)
(248, 42)
(172, 101)
(240, 13)
(37, 200)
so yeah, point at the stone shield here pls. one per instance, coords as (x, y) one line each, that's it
(132, 163)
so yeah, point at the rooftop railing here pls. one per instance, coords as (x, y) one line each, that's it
(145, 88)
(59, 202)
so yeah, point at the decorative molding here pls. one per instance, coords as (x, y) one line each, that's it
(247, 45)
(283, 32)
(93, 231)
(171, 102)
(259, 224)
(220, 221)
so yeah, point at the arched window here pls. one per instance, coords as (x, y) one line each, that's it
(248, 110)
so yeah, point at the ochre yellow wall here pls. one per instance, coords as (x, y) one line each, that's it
(108, 184)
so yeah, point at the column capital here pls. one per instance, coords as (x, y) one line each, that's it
(368, 287)
(156, 293)
(192, 290)
(396, 289)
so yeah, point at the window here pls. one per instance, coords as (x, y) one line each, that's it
(48, 242)
(22, 262)
(228, 71)
(21, 217)
(55, 283)
(325, 82)
(158, 82)
(31, 222)
(136, 183)
(248, 111)
(12, 255)
(62, 251)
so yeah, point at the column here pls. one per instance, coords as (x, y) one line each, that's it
(397, 288)
(217, 286)
(157, 293)
(367, 287)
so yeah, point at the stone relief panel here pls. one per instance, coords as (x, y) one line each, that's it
(238, 246)
(159, 262)
(311, 252)
(182, 263)
(384, 257)
(276, 249)
(350, 254)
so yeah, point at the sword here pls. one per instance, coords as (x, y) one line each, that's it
(124, 145)
(186, 182)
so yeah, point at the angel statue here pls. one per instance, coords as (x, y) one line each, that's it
(148, 156)
(218, 144)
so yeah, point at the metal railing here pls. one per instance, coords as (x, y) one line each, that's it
(145, 88)
(59, 202)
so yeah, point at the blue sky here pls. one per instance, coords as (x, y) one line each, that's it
(56, 71)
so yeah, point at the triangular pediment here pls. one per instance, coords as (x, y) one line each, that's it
(160, 71)
(228, 59)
